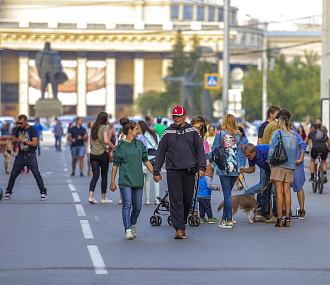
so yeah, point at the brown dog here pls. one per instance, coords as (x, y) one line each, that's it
(246, 203)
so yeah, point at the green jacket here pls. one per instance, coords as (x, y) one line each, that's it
(129, 158)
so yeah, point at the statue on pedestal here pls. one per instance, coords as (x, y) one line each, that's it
(49, 68)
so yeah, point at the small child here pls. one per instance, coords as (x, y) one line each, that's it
(8, 154)
(204, 195)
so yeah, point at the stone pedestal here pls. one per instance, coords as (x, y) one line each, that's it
(48, 108)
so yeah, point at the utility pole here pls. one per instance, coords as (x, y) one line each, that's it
(264, 75)
(226, 52)
(325, 65)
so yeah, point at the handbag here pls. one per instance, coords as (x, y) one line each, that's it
(279, 155)
(219, 157)
(107, 151)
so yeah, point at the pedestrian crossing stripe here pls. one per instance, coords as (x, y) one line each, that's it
(211, 81)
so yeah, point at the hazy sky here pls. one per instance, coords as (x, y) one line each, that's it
(279, 10)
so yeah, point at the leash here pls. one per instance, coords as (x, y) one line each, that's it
(247, 188)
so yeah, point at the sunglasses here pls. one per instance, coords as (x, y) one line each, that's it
(19, 123)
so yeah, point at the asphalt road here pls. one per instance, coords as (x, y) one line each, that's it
(66, 240)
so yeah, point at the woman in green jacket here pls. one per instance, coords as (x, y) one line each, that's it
(128, 155)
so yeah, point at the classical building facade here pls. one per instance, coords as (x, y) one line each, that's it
(112, 51)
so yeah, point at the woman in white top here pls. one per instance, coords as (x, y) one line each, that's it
(152, 140)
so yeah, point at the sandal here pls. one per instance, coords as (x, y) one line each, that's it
(279, 223)
(286, 222)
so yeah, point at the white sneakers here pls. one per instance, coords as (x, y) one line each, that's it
(106, 201)
(129, 234)
(92, 201)
(103, 201)
(133, 228)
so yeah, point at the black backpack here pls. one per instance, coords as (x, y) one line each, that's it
(219, 157)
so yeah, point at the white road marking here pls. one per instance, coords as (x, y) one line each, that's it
(72, 188)
(80, 210)
(65, 169)
(86, 229)
(75, 197)
(97, 259)
(68, 180)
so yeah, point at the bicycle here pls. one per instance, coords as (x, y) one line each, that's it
(318, 175)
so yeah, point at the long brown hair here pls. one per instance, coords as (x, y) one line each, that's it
(144, 128)
(102, 119)
(199, 119)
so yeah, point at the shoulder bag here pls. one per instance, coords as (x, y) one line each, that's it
(279, 155)
(219, 157)
(107, 151)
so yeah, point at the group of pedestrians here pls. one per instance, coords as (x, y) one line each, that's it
(185, 150)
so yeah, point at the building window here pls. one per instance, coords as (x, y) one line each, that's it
(211, 14)
(220, 15)
(175, 12)
(200, 13)
(187, 12)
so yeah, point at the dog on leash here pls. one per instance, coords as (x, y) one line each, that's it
(245, 203)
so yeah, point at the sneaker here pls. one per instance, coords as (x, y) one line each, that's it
(311, 180)
(213, 221)
(203, 220)
(92, 201)
(157, 202)
(273, 219)
(120, 202)
(226, 225)
(133, 228)
(301, 215)
(325, 179)
(43, 196)
(72, 174)
(81, 174)
(261, 220)
(147, 203)
(7, 195)
(106, 201)
(129, 234)
(259, 214)
(22, 171)
(180, 234)
(28, 171)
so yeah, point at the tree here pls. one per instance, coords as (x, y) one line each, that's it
(291, 85)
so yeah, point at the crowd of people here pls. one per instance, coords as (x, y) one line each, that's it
(186, 150)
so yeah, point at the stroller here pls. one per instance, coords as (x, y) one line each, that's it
(164, 207)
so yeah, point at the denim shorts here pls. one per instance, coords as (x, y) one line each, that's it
(77, 151)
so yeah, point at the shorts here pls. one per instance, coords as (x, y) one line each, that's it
(281, 174)
(77, 151)
(316, 151)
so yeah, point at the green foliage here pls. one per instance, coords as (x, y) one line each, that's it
(291, 85)
(158, 103)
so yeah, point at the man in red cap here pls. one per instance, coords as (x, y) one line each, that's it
(182, 146)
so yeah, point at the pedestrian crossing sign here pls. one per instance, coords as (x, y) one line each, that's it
(211, 81)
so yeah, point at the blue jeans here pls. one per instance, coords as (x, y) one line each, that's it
(227, 183)
(58, 142)
(132, 198)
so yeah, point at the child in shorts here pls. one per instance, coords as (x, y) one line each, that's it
(204, 196)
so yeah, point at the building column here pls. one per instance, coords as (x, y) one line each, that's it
(81, 84)
(138, 87)
(110, 83)
(23, 95)
(165, 63)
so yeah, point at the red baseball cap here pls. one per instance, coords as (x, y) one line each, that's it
(179, 111)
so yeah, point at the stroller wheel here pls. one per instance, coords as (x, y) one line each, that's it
(153, 221)
(169, 221)
(191, 220)
(197, 221)
(159, 220)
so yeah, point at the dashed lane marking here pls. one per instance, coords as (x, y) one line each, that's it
(97, 259)
(86, 229)
(75, 197)
(80, 210)
(72, 188)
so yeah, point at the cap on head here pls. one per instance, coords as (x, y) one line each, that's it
(178, 111)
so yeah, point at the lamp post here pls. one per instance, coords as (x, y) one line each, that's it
(225, 76)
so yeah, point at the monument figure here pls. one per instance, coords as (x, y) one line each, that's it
(49, 68)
